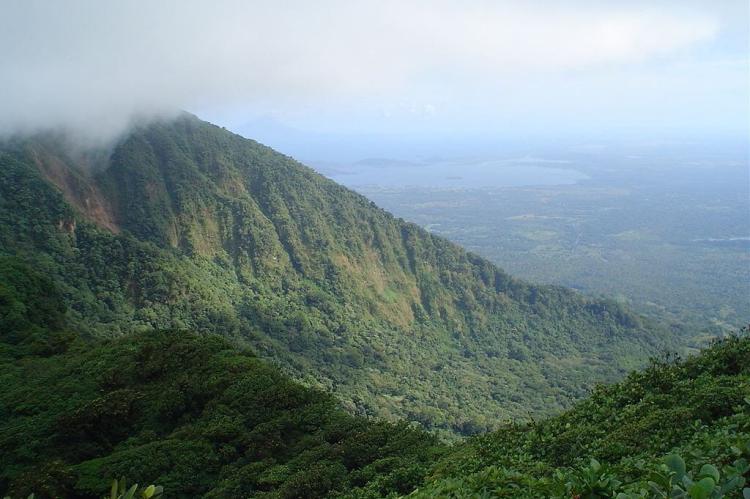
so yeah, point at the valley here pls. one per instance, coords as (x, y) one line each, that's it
(218, 234)
(196, 310)
(666, 238)
(374, 250)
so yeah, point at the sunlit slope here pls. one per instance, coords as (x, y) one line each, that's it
(187, 225)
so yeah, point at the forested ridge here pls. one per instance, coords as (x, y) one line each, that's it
(445, 250)
(185, 226)
(194, 414)
(203, 418)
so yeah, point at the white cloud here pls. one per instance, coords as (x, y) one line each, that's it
(79, 63)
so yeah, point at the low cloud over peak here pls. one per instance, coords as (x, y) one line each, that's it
(94, 65)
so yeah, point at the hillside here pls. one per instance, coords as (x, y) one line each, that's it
(194, 414)
(186, 226)
(203, 418)
(680, 428)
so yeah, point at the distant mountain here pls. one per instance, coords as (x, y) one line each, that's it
(184, 225)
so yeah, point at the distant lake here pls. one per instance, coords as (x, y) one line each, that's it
(741, 241)
(454, 174)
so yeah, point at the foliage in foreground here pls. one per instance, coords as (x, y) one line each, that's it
(201, 417)
(679, 429)
(194, 415)
(120, 490)
(232, 426)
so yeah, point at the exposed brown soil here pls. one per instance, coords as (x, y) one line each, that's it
(79, 189)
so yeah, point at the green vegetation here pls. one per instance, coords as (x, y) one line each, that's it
(651, 232)
(185, 226)
(193, 414)
(675, 429)
(203, 418)
(160, 303)
(121, 491)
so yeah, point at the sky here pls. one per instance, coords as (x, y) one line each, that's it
(417, 69)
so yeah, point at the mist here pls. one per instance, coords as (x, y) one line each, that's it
(373, 67)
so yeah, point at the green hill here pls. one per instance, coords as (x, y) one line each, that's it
(680, 428)
(185, 226)
(202, 418)
(194, 414)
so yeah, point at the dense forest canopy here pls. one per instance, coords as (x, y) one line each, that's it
(188, 313)
(203, 418)
(185, 226)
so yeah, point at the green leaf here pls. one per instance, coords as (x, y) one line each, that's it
(677, 493)
(595, 466)
(131, 492)
(709, 470)
(702, 489)
(148, 491)
(746, 493)
(741, 466)
(731, 484)
(113, 490)
(676, 465)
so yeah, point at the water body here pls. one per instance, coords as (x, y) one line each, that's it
(723, 239)
(455, 174)
(737, 242)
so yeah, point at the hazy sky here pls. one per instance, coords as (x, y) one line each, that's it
(397, 67)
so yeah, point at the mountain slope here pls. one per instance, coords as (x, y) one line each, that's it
(656, 434)
(185, 225)
(196, 414)
(205, 419)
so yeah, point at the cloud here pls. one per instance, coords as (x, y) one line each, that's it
(93, 66)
